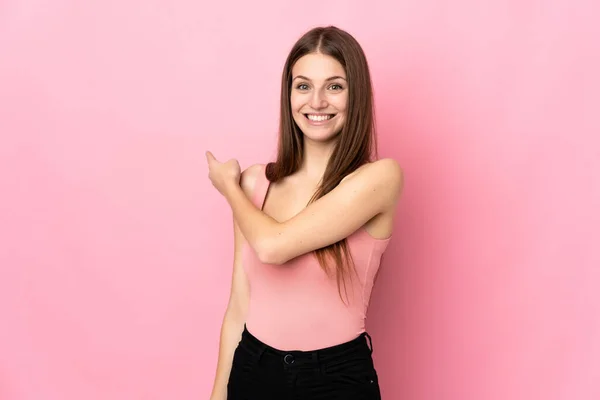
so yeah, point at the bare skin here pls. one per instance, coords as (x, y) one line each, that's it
(371, 191)
(286, 227)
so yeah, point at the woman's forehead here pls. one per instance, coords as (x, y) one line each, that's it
(318, 67)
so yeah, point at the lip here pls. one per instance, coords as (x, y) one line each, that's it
(319, 123)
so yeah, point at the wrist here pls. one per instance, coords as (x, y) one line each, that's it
(231, 188)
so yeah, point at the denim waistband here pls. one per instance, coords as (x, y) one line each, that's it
(258, 348)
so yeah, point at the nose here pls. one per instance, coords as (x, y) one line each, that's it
(317, 100)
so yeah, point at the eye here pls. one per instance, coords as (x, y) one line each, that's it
(335, 86)
(302, 86)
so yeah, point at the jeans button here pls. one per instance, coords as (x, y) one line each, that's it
(288, 359)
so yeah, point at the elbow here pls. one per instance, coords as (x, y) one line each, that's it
(269, 252)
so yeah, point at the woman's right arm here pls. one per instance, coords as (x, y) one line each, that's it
(235, 314)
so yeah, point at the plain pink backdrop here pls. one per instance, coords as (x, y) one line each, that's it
(116, 252)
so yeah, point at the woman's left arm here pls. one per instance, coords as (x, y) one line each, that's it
(331, 218)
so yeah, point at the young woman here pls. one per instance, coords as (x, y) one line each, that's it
(310, 229)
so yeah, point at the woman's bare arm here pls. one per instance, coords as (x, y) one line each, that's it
(235, 315)
(372, 190)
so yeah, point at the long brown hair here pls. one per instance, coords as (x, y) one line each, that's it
(356, 143)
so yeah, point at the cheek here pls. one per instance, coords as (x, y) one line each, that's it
(295, 103)
(340, 103)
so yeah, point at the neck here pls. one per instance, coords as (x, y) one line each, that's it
(316, 157)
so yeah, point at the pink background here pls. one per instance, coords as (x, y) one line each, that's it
(116, 251)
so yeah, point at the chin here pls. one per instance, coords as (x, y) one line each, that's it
(323, 136)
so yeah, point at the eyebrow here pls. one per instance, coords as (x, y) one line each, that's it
(326, 80)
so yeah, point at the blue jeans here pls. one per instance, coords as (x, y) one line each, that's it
(341, 372)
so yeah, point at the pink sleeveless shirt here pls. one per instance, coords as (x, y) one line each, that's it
(297, 306)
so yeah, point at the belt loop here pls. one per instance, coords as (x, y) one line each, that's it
(316, 363)
(257, 350)
(370, 342)
(252, 345)
(259, 353)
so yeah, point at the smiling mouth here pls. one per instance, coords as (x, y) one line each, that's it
(319, 118)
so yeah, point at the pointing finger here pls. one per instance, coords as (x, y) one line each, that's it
(210, 157)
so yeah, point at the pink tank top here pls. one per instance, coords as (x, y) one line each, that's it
(296, 306)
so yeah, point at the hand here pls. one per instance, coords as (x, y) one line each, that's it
(223, 175)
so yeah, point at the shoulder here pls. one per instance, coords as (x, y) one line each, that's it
(385, 171)
(249, 178)
(388, 167)
(384, 177)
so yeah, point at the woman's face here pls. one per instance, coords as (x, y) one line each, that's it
(319, 96)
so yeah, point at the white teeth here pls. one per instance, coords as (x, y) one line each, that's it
(318, 118)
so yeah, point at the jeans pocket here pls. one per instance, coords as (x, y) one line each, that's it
(373, 386)
(370, 382)
(358, 369)
(355, 384)
(356, 363)
(368, 378)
